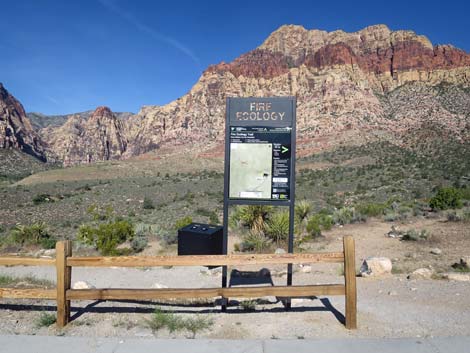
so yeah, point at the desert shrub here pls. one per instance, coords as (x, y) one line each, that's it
(183, 222)
(313, 227)
(446, 198)
(169, 238)
(173, 323)
(41, 198)
(106, 237)
(45, 320)
(34, 234)
(148, 204)
(318, 222)
(212, 215)
(415, 235)
(139, 243)
(248, 305)
(100, 214)
(346, 215)
(458, 216)
(391, 216)
(277, 227)
(253, 241)
(371, 209)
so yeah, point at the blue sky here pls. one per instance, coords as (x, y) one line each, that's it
(61, 57)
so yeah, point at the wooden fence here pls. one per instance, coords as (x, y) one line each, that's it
(64, 262)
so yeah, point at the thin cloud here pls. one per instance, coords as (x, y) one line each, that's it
(111, 6)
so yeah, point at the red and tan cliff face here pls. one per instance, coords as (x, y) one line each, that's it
(344, 83)
(79, 140)
(15, 128)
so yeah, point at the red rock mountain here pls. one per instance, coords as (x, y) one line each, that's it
(350, 87)
(16, 131)
(79, 140)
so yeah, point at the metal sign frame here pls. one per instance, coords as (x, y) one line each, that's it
(291, 102)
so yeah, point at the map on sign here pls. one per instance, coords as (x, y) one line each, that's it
(251, 170)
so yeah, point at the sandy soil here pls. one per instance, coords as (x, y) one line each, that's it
(391, 306)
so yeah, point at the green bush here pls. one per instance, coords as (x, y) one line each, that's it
(34, 234)
(41, 198)
(45, 320)
(139, 243)
(107, 236)
(446, 198)
(371, 209)
(415, 235)
(148, 204)
(173, 323)
(277, 227)
(253, 241)
(313, 227)
(183, 222)
(318, 222)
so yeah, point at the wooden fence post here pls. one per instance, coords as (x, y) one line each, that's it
(64, 278)
(350, 282)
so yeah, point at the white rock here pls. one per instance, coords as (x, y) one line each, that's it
(392, 293)
(436, 251)
(82, 285)
(49, 252)
(376, 266)
(460, 277)
(280, 251)
(306, 269)
(421, 273)
(158, 286)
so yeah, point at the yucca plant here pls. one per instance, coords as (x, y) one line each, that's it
(277, 227)
(253, 217)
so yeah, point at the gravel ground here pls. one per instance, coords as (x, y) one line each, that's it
(388, 307)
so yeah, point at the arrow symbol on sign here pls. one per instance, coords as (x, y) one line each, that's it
(284, 149)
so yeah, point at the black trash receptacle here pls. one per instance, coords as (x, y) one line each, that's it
(200, 239)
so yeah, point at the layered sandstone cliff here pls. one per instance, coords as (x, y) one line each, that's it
(16, 131)
(80, 140)
(343, 82)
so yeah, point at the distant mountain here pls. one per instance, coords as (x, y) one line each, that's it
(16, 131)
(40, 121)
(351, 88)
(87, 138)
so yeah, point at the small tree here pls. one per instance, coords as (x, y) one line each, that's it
(446, 198)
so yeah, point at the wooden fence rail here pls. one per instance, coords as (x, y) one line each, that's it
(64, 262)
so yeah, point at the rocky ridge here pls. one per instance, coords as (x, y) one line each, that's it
(80, 140)
(350, 88)
(16, 131)
(347, 85)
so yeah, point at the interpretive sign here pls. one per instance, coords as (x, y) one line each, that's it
(260, 148)
(260, 160)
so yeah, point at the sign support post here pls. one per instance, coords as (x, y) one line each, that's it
(259, 168)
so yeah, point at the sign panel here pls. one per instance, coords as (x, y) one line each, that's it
(260, 144)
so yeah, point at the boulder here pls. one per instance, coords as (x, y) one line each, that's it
(436, 251)
(376, 266)
(421, 273)
(82, 285)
